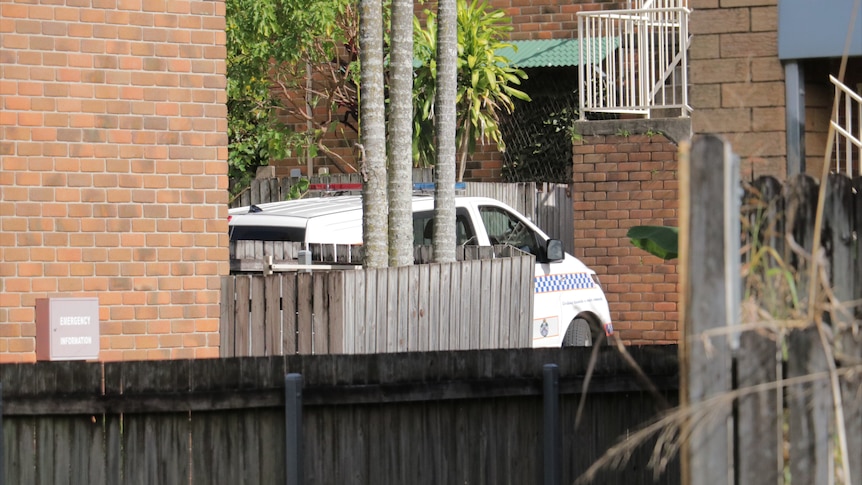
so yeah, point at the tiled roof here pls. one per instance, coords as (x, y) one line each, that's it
(545, 52)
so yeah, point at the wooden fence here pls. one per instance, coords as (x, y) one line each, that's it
(484, 301)
(253, 256)
(420, 418)
(787, 384)
(548, 205)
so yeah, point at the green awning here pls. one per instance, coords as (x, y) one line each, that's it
(548, 52)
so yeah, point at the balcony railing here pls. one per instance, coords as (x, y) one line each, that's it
(847, 123)
(646, 63)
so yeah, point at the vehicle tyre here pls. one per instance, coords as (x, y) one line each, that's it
(579, 334)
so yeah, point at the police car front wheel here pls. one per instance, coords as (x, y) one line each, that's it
(579, 334)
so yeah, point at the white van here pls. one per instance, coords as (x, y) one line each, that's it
(570, 307)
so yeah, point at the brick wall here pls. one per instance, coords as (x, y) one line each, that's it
(737, 81)
(113, 178)
(620, 182)
(543, 19)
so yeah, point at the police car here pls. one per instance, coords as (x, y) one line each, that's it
(570, 307)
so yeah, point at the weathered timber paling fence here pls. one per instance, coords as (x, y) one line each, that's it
(422, 418)
(781, 372)
(252, 256)
(484, 301)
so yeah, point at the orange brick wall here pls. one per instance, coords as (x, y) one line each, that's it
(620, 182)
(544, 19)
(113, 178)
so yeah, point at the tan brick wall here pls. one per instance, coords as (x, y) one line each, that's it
(113, 178)
(620, 182)
(738, 82)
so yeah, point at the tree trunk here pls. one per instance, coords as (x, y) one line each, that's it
(373, 133)
(401, 135)
(444, 108)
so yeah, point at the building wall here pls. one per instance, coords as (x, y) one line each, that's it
(738, 88)
(113, 178)
(737, 81)
(549, 19)
(621, 181)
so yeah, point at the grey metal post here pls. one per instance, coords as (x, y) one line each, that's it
(553, 432)
(293, 429)
(794, 114)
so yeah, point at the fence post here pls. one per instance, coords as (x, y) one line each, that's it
(709, 277)
(293, 429)
(758, 435)
(553, 433)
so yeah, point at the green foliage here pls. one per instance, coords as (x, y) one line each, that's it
(574, 136)
(485, 80)
(298, 189)
(540, 138)
(269, 43)
(272, 43)
(661, 241)
(768, 277)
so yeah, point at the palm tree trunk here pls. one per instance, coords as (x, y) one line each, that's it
(444, 107)
(373, 133)
(401, 134)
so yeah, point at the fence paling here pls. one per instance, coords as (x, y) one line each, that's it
(782, 217)
(469, 416)
(705, 200)
(484, 303)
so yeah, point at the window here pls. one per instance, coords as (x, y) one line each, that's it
(505, 228)
(423, 228)
(267, 233)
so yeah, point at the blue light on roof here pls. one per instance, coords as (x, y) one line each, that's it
(429, 186)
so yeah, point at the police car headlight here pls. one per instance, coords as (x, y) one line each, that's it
(595, 278)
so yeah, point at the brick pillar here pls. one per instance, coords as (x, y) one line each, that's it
(113, 179)
(620, 182)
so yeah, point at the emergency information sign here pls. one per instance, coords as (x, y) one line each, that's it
(67, 328)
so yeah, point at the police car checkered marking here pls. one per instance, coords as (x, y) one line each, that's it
(563, 282)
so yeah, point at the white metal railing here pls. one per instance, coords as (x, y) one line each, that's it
(847, 123)
(635, 60)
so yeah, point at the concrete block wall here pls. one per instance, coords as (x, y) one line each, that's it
(622, 181)
(737, 81)
(113, 139)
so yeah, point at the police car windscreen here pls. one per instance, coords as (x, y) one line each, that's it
(267, 233)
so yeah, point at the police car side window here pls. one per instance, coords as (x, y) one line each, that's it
(505, 228)
(423, 229)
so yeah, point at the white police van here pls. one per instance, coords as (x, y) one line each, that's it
(570, 307)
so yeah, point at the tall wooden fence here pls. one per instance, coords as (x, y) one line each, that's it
(421, 418)
(793, 381)
(484, 301)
